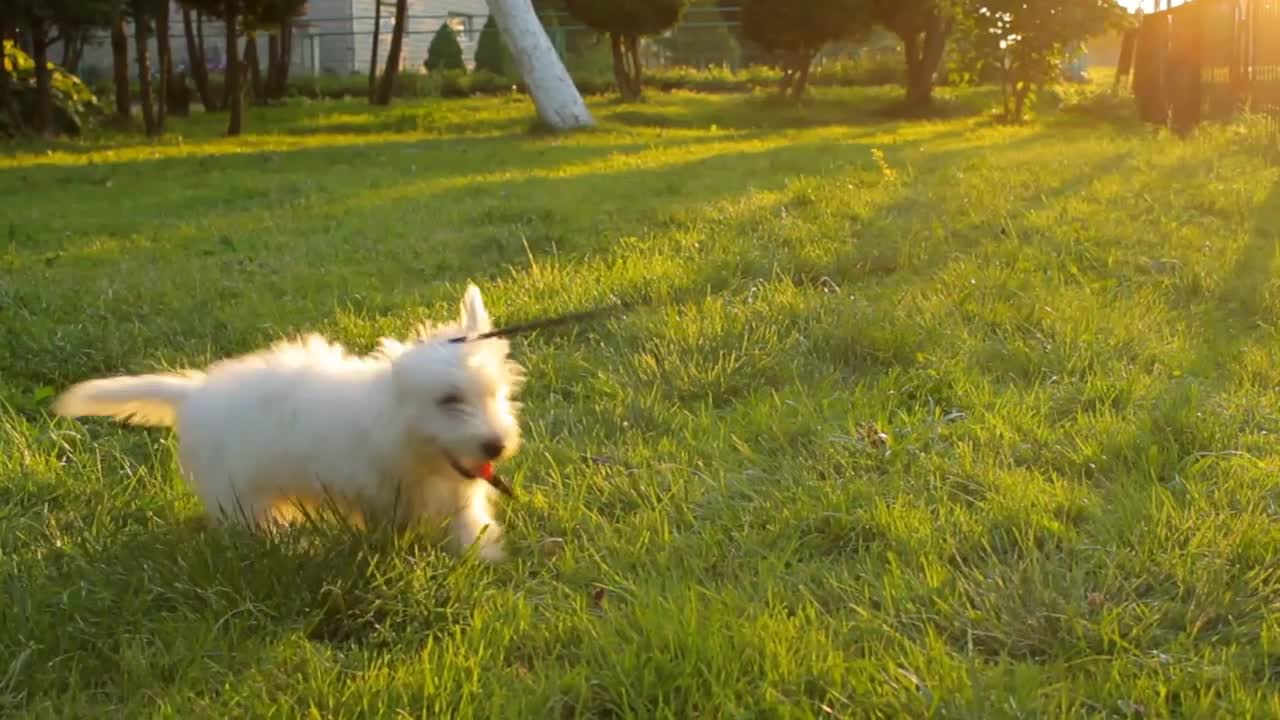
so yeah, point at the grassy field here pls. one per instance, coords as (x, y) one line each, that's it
(958, 420)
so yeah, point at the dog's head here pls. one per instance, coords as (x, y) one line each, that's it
(459, 398)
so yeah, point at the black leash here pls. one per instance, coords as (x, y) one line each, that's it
(573, 318)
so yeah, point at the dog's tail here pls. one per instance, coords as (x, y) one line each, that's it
(151, 400)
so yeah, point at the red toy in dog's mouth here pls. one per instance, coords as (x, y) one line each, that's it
(484, 472)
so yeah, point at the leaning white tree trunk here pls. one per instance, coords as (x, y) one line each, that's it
(558, 101)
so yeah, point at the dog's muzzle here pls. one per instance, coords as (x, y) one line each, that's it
(485, 473)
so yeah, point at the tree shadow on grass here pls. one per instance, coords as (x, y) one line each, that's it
(482, 228)
(760, 111)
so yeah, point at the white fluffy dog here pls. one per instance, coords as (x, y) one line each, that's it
(407, 433)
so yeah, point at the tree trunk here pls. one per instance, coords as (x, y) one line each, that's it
(196, 62)
(273, 66)
(1005, 94)
(392, 69)
(255, 68)
(558, 102)
(78, 55)
(802, 74)
(235, 95)
(286, 59)
(120, 69)
(637, 70)
(73, 42)
(1020, 92)
(911, 46)
(140, 37)
(373, 54)
(8, 109)
(935, 45)
(44, 87)
(620, 77)
(165, 57)
(788, 76)
(627, 72)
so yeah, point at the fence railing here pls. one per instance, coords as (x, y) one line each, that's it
(1206, 58)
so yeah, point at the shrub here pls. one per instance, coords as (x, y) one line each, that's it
(491, 54)
(445, 53)
(74, 104)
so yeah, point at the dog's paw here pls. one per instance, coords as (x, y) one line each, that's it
(492, 552)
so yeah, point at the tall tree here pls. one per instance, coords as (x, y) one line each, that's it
(392, 70)
(923, 27)
(74, 38)
(241, 18)
(233, 14)
(626, 21)
(797, 30)
(231, 17)
(196, 61)
(373, 51)
(164, 56)
(558, 102)
(120, 68)
(253, 67)
(276, 18)
(141, 38)
(10, 116)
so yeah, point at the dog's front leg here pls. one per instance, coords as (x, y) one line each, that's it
(474, 524)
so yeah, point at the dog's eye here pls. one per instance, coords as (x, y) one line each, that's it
(451, 400)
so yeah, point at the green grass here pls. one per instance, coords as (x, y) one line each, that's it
(1066, 330)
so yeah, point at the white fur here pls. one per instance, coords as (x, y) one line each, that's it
(304, 424)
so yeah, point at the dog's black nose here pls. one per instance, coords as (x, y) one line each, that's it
(493, 449)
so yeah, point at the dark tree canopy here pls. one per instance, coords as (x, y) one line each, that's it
(445, 53)
(626, 21)
(796, 30)
(627, 17)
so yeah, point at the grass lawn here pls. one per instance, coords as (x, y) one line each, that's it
(1067, 332)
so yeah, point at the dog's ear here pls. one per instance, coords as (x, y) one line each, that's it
(475, 319)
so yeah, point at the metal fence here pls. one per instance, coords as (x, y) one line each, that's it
(1206, 58)
(705, 37)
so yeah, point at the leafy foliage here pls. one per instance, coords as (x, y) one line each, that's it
(1027, 40)
(445, 53)
(627, 17)
(491, 54)
(74, 104)
(626, 21)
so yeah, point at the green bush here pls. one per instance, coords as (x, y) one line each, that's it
(882, 68)
(445, 53)
(491, 54)
(74, 104)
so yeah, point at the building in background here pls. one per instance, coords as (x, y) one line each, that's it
(333, 37)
